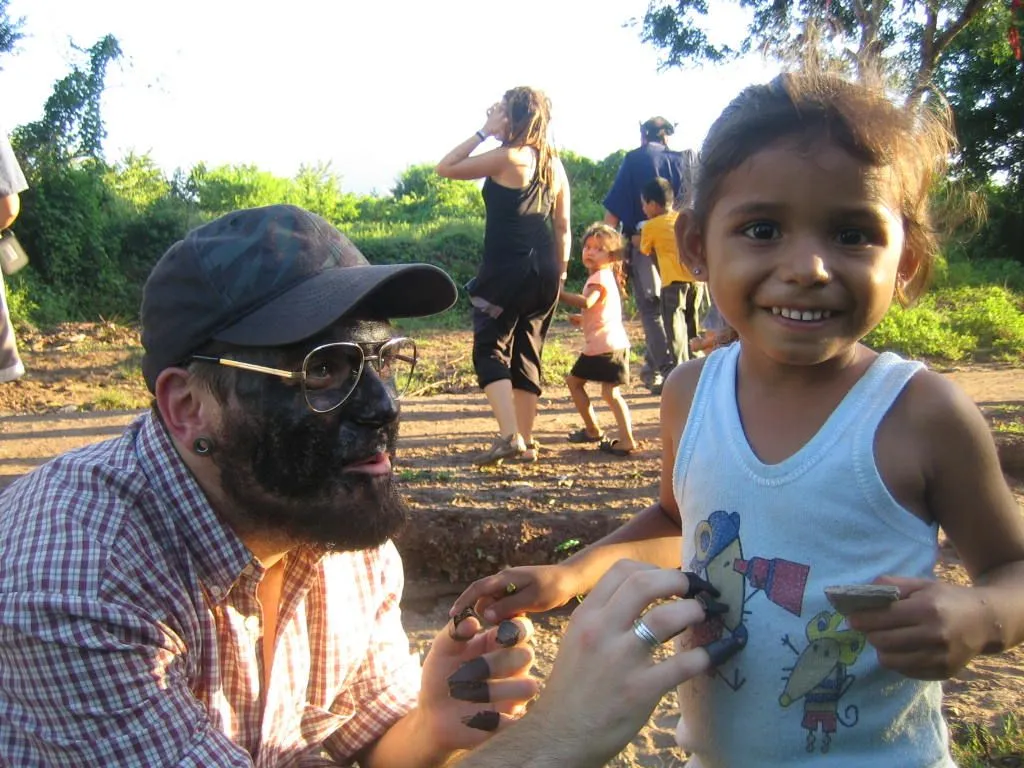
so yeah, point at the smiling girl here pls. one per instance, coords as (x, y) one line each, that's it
(799, 458)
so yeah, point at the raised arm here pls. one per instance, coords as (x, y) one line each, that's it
(460, 163)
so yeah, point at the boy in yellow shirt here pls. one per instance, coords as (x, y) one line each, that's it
(678, 289)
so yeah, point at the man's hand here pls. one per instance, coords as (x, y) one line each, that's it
(475, 681)
(605, 682)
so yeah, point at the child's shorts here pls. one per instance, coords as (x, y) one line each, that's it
(607, 368)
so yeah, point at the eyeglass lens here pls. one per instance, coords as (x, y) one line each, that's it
(333, 370)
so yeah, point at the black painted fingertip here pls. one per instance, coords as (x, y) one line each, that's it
(711, 606)
(472, 670)
(476, 691)
(485, 720)
(458, 618)
(508, 634)
(724, 649)
(697, 584)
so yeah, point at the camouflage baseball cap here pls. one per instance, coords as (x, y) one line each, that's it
(268, 277)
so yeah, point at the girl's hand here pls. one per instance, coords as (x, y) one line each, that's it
(497, 121)
(931, 632)
(514, 591)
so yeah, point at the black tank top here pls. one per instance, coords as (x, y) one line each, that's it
(518, 228)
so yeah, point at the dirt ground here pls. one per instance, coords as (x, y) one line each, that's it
(469, 522)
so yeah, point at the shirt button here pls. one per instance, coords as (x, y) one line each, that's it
(216, 591)
(252, 624)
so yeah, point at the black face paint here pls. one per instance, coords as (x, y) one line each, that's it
(472, 670)
(282, 465)
(458, 618)
(508, 634)
(485, 720)
(476, 691)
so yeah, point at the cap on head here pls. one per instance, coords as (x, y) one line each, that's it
(656, 128)
(268, 277)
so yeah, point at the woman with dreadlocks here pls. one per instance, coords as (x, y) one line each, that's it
(526, 252)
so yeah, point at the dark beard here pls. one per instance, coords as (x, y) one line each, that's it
(282, 474)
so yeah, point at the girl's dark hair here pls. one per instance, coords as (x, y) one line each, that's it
(860, 119)
(612, 241)
(529, 113)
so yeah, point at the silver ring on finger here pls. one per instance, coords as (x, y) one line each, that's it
(641, 630)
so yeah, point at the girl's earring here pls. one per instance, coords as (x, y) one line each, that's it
(696, 270)
(203, 446)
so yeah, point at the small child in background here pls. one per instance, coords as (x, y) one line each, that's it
(605, 357)
(679, 295)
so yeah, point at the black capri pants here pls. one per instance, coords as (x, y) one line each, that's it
(510, 345)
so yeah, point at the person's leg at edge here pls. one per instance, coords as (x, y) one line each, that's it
(612, 394)
(580, 398)
(11, 367)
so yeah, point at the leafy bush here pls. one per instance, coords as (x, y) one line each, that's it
(981, 322)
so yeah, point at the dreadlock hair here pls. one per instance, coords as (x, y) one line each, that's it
(529, 113)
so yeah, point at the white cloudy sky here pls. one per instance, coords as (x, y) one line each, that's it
(371, 87)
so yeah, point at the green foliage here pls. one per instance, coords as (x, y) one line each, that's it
(965, 316)
(71, 127)
(137, 181)
(985, 87)
(976, 746)
(909, 38)
(422, 195)
(589, 182)
(10, 29)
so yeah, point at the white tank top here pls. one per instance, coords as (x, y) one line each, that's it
(806, 689)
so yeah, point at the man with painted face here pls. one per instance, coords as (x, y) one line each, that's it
(217, 586)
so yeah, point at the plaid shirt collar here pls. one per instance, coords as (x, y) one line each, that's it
(218, 552)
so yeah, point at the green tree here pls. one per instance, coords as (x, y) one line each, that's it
(10, 29)
(72, 125)
(229, 187)
(138, 181)
(421, 194)
(984, 83)
(318, 188)
(908, 38)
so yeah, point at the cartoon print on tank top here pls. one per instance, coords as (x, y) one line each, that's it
(718, 557)
(819, 676)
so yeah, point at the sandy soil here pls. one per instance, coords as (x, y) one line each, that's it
(470, 521)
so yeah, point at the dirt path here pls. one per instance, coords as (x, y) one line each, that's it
(471, 521)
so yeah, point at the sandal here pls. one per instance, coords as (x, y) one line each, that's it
(610, 446)
(502, 448)
(531, 453)
(581, 436)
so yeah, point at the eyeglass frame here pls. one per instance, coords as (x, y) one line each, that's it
(300, 375)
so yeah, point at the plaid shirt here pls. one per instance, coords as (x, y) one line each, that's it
(129, 626)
